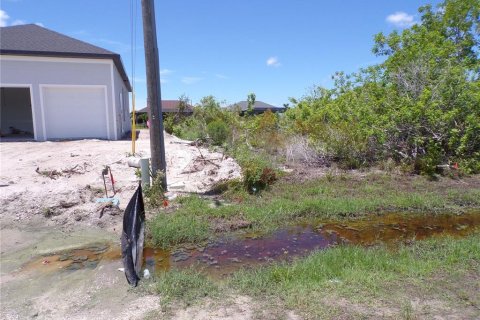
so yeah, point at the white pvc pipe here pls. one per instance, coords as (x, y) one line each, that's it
(134, 162)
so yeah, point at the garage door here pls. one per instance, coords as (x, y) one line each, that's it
(75, 112)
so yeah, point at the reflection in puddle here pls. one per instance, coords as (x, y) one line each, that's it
(225, 256)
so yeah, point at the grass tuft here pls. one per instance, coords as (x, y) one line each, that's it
(186, 286)
(171, 229)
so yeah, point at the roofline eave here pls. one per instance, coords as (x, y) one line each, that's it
(115, 57)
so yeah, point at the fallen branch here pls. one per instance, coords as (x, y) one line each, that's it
(52, 174)
(75, 170)
(205, 159)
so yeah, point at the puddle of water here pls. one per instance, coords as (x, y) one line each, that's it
(75, 259)
(226, 256)
(394, 228)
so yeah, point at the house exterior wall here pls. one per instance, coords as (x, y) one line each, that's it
(38, 72)
(121, 104)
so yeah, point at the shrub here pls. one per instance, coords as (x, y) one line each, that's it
(169, 123)
(190, 129)
(257, 172)
(218, 131)
(419, 106)
(155, 194)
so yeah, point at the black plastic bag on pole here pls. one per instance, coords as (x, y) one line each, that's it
(133, 235)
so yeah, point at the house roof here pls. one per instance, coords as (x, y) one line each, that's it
(168, 106)
(258, 106)
(33, 40)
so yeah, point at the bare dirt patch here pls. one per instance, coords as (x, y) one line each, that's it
(61, 180)
(230, 307)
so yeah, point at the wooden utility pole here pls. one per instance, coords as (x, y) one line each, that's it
(154, 99)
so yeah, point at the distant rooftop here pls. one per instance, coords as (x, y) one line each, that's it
(33, 40)
(258, 107)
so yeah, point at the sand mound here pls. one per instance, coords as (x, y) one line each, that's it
(61, 180)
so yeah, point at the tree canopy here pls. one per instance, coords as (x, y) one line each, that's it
(421, 106)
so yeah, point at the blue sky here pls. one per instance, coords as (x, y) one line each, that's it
(274, 48)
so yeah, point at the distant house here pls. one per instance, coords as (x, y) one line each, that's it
(168, 107)
(57, 87)
(258, 108)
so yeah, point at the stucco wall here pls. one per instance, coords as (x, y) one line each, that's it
(122, 107)
(36, 71)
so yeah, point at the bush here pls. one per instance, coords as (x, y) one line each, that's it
(217, 131)
(155, 194)
(190, 129)
(420, 106)
(169, 123)
(257, 171)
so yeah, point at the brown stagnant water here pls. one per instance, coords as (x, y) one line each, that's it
(224, 256)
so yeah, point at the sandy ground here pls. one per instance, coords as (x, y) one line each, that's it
(47, 293)
(47, 212)
(31, 289)
(69, 197)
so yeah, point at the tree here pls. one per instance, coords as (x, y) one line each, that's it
(183, 104)
(421, 106)
(251, 103)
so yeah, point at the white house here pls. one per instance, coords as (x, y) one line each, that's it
(56, 87)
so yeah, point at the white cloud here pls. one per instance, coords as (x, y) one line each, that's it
(401, 19)
(18, 22)
(221, 76)
(165, 72)
(3, 18)
(273, 62)
(80, 33)
(191, 80)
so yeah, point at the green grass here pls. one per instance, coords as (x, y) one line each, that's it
(186, 286)
(354, 266)
(328, 198)
(171, 229)
(371, 278)
(359, 274)
(331, 197)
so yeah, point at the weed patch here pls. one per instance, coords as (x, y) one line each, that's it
(185, 286)
(171, 229)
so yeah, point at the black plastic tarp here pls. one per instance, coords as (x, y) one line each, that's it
(133, 237)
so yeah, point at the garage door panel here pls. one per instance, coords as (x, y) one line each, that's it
(75, 112)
